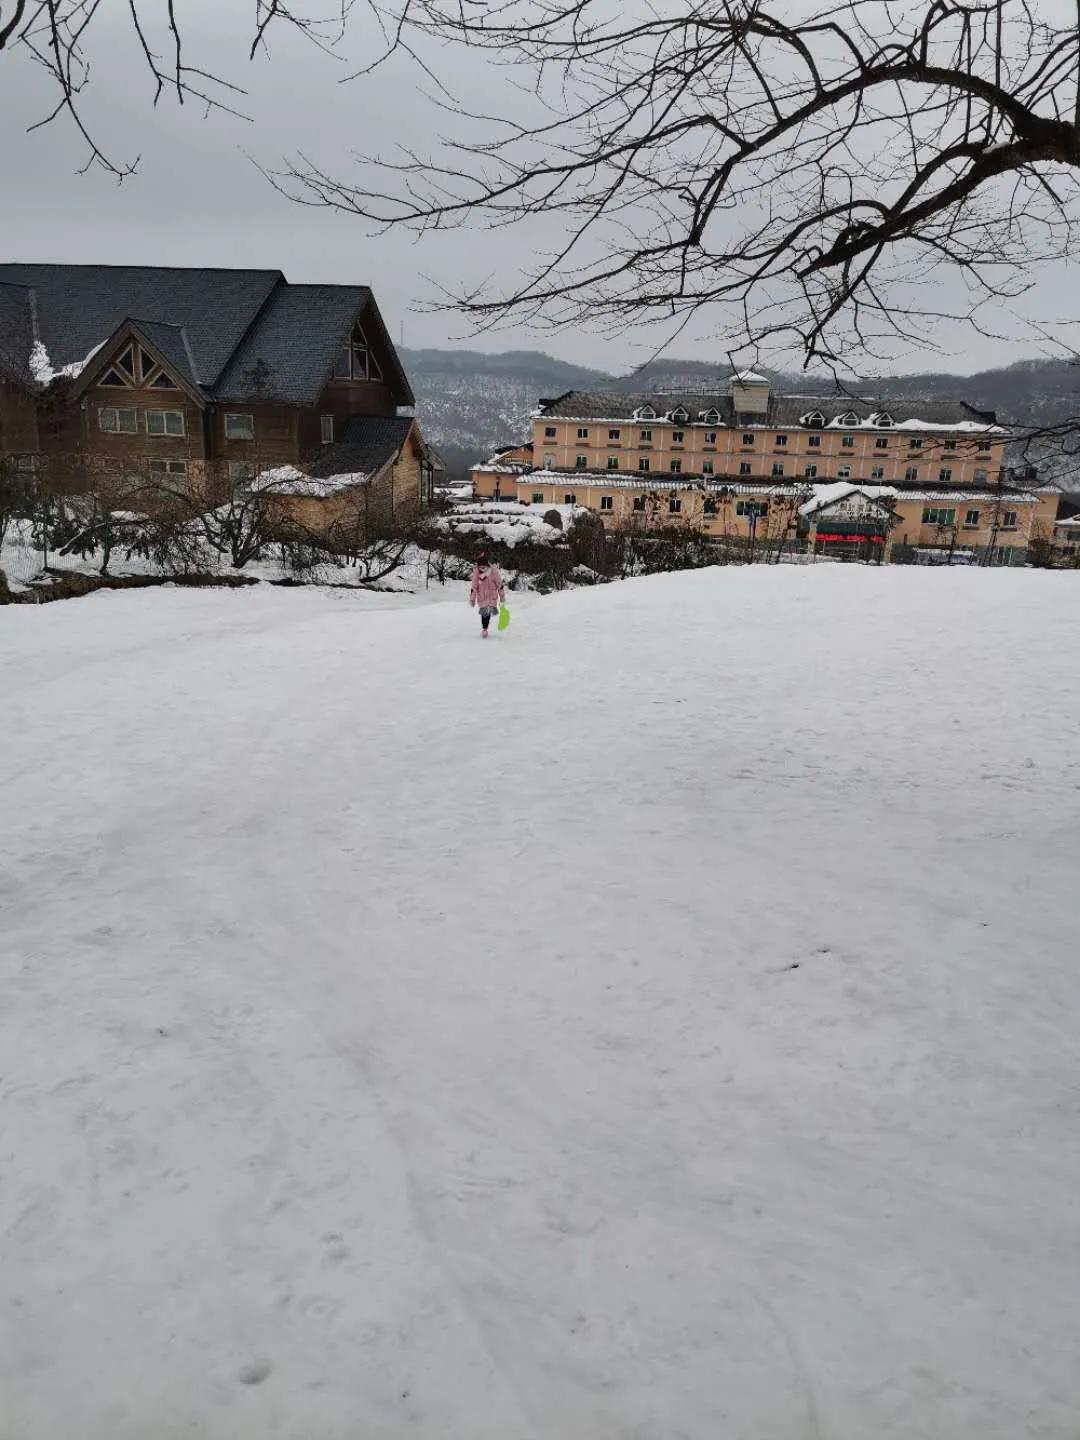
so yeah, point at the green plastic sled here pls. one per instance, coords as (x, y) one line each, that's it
(504, 617)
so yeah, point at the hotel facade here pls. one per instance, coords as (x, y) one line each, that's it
(831, 473)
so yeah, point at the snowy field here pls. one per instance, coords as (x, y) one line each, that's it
(661, 1021)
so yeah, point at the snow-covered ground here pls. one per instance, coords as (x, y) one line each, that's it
(21, 563)
(660, 1021)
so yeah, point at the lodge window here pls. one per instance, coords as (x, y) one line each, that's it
(814, 441)
(780, 440)
(614, 434)
(748, 439)
(911, 473)
(607, 502)
(646, 436)
(744, 467)
(674, 506)
(581, 462)
(326, 429)
(844, 472)
(778, 467)
(877, 473)
(537, 497)
(550, 432)
(549, 462)
(639, 502)
(612, 462)
(710, 506)
(706, 467)
(239, 427)
(643, 465)
(848, 442)
(583, 432)
(914, 443)
(355, 361)
(881, 443)
(174, 468)
(948, 444)
(677, 437)
(752, 507)
(980, 475)
(944, 475)
(810, 472)
(676, 467)
(118, 420)
(971, 518)
(164, 422)
(570, 499)
(710, 437)
(1009, 520)
(934, 515)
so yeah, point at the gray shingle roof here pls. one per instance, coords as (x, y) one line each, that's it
(236, 334)
(367, 443)
(172, 342)
(294, 344)
(16, 332)
(784, 410)
(79, 306)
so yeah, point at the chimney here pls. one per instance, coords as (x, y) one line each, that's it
(750, 394)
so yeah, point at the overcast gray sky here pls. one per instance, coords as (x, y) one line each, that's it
(197, 198)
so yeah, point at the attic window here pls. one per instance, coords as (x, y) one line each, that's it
(679, 415)
(112, 376)
(646, 412)
(126, 362)
(162, 382)
(711, 417)
(884, 420)
(849, 418)
(146, 365)
(355, 361)
(814, 421)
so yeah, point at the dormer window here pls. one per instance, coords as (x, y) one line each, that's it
(645, 412)
(814, 421)
(884, 420)
(355, 361)
(710, 417)
(849, 418)
(680, 415)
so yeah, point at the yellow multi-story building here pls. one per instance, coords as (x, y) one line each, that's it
(747, 462)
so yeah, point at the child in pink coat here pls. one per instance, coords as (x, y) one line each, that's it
(486, 590)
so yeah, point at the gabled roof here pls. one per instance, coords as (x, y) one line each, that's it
(832, 494)
(289, 352)
(79, 305)
(217, 328)
(166, 343)
(368, 442)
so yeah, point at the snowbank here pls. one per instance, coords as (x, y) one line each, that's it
(508, 522)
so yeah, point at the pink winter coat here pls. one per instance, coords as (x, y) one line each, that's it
(487, 587)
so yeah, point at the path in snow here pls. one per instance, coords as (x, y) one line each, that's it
(400, 1034)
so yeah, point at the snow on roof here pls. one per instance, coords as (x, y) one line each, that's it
(748, 377)
(288, 480)
(41, 367)
(825, 495)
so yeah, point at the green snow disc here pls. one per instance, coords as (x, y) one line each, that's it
(504, 617)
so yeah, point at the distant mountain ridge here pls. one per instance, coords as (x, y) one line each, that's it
(469, 402)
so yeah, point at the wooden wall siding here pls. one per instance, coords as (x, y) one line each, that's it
(277, 436)
(18, 420)
(342, 399)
